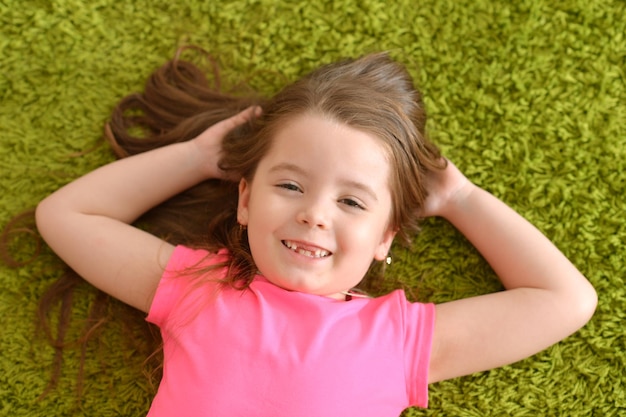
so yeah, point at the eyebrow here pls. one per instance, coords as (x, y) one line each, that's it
(286, 166)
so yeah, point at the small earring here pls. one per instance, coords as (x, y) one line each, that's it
(388, 260)
(242, 230)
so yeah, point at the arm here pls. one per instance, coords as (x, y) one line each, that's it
(87, 222)
(546, 297)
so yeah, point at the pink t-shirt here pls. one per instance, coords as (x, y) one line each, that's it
(266, 351)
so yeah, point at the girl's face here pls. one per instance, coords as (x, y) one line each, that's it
(318, 208)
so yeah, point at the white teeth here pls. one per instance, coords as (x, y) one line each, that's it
(318, 253)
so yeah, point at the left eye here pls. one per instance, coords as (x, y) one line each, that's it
(352, 203)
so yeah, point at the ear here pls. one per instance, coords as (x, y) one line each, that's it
(244, 200)
(382, 251)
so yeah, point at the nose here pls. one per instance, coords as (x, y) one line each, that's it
(314, 213)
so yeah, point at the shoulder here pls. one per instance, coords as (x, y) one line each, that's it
(397, 302)
(417, 324)
(185, 259)
(395, 311)
(185, 277)
(406, 328)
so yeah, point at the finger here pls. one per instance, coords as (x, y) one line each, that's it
(223, 127)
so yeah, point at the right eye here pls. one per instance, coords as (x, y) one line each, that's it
(289, 186)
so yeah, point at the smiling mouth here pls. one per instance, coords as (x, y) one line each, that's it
(311, 252)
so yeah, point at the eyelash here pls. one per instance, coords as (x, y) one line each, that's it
(352, 203)
(289, 186)
(347, 201)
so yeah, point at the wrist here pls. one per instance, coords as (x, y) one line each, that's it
(203, 158)
(458, 201)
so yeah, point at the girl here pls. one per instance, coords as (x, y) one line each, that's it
(258, 309)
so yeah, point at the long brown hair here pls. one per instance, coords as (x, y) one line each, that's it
(373, 94)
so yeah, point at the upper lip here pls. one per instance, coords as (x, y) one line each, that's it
(307, 246)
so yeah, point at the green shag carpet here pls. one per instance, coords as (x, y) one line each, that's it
(527, 97)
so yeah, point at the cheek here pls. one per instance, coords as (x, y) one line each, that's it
(257, 241)
(364, 238)
(265, 217)
(264, 211)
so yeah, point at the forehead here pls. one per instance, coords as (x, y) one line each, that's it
(317, 142)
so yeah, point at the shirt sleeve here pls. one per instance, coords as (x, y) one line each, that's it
(419, 329)
(171, 289)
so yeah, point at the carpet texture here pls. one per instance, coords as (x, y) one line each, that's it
(528, 98)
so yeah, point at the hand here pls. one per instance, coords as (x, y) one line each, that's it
(209, 142)
(445, 187)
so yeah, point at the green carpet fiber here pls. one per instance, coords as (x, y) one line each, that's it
(527, 97)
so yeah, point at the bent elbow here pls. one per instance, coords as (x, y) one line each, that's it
(586, 302)
(41, 214)
(44, 217)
